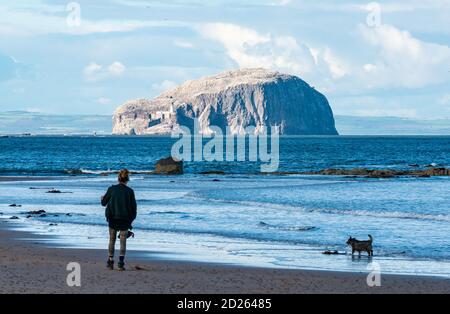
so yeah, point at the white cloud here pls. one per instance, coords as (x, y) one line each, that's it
(39, 18)
(403, 60)
(370, 68)
(336, 66)
(248, 49)
(96, 72)
(237, 41)
(92, 69)
(116, 68)
(163, 86)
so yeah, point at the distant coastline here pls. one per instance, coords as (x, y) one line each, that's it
(24, 123)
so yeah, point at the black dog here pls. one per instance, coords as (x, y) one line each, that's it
(361, 245)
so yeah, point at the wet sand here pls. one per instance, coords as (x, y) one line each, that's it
(25, 179)
(27, 266)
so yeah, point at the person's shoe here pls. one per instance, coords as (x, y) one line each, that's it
(121, 266)
(110, 264)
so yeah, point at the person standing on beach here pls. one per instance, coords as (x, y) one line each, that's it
(121, 211)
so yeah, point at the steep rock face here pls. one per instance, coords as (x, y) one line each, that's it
(235, 99)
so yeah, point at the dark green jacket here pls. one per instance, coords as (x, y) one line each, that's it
(120, 203)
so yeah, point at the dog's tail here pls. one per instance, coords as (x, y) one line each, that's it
(370, 238)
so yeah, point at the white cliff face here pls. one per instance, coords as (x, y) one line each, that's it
(235, 99)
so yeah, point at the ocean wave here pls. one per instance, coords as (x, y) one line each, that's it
(286, 228)
(352, 212)
(60, 172)
(178, 214)
(170, 212)
(384, 214)
(87, 171)
(238, 235)
(82, 171)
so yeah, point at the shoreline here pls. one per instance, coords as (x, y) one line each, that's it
(28, 266)
(416, 171)
(30, 178)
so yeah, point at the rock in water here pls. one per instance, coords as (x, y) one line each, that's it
(436, 172)
(235, 99)
(36, 212)
(54, 191)
(169, 166)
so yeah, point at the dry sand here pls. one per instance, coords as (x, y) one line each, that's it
(27, 266)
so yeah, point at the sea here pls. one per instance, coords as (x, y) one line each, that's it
(242, 217)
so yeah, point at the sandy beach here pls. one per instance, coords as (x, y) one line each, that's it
(27, 266)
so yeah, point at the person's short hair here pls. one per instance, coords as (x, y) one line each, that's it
(124, 176)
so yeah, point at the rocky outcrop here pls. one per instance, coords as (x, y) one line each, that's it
(211, 172)
(436, 172)
(35, 212)
(169, 166)
(381, 173)
(235, 99)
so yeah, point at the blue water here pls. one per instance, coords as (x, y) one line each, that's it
(56, 155)
(245, 218)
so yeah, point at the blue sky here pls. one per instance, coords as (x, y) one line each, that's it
(389, 58)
